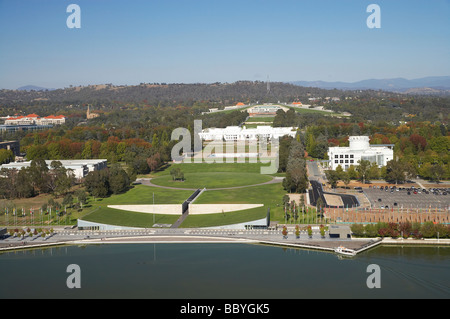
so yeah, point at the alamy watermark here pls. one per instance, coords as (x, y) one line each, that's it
(74, 19)
(374, 279)
(374, 20)
(74, 279)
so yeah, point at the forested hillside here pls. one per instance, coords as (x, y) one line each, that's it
(362, 104)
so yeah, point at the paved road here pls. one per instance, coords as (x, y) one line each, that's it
(313, 170)
(154, 235)
(317, 192)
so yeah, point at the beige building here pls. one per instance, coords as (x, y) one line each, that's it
(34, 119)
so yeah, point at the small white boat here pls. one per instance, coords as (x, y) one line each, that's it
(345, 251)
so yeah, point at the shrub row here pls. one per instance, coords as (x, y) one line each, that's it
(402, 229)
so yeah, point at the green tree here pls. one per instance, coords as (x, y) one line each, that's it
(345, 177)
(177, 174)
(60, 179)
(80, 194)
(118, 179)
(38, 172)
(363, 170)
(437, 171)
(395, 171)
(6, 156)
(97, 183)
(68, 200)
(23, 184)
(352, 173)
(332, 177)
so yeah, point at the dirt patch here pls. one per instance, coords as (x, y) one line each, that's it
(333, 200)
(296, 198)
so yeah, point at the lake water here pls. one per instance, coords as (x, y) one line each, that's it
(205, 271)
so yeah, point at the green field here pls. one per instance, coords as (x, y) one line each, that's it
(142, 194)
(261, 119)
(240, 175)
(213, 167)
(138, 195)
(197, 176)
(270, 195)
(211, 180)
(302, 110)
(229, 218)
(110, 216)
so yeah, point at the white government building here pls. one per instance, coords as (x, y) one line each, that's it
(359, 149)
(237, 133)
(80, 168)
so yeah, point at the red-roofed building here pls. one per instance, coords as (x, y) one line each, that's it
(34, 119)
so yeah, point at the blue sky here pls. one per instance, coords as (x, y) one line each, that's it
(174, 41)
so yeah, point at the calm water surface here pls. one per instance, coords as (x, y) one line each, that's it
(191, 271)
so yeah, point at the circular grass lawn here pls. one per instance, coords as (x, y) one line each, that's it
(211, 180)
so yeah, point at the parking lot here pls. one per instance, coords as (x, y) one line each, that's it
(397, 206)
(408, 198)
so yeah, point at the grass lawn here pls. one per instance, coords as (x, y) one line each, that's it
(197, 176)
(213, 167)
(142, 194)
(212, 180)
(138, 195)
(302, 110)
(271, 195)
(230, 175)
(228, 218)
(110, 216)
(256, 125)
(261, 119)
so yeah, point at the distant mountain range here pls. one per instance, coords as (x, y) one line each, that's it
(33, 87)
(432, 84)
(426, 85)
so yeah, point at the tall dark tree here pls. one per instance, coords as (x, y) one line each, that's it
(97, 183)
(119, 182)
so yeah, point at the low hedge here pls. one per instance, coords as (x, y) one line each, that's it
(402, 229)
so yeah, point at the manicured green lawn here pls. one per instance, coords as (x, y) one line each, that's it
(138, 195)
(142, 194)
(110, 216)
(197, 175)
(264, 194)
(301, 110)
(261, 119)
(229, 218)
(271, 195)
(212, 180)
(214, 167)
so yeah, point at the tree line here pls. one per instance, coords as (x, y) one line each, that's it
(402, 230)
(292, 162)
(38, 178)
(420, 148)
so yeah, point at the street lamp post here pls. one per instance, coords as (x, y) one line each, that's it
(153, 208)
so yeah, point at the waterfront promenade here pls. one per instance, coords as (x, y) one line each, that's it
(196, 235)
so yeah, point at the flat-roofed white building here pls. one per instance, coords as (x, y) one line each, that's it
(265, 110)
(237, 133)
(80, 168)
(359, 149)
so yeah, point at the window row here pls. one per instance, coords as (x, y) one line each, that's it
(342, 156)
